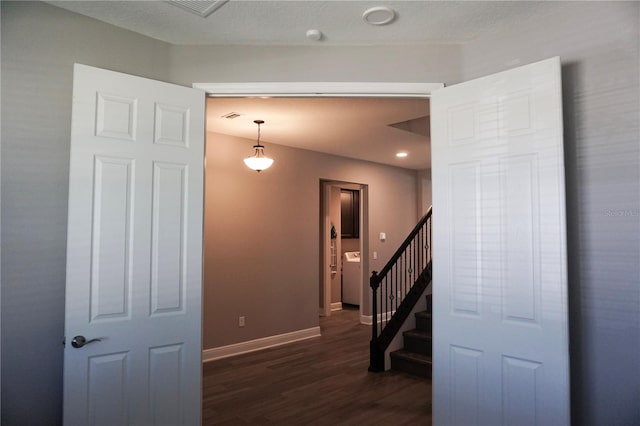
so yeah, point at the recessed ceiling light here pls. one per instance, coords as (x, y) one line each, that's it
(402, 154)
(379, 15)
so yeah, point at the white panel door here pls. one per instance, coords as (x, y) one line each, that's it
(499, 263)
(134, 253)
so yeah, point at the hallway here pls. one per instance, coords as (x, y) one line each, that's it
(320, 381)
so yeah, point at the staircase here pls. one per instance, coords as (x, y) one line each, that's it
(415, 357)
(395, 291)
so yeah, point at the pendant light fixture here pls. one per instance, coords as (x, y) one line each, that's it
(258, 161)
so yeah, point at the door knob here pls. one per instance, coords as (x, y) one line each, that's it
(80, 341)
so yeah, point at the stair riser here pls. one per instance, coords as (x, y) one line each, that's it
(423, 324)
(407, 366)
(417, 345)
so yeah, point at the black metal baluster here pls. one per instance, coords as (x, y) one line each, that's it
(412, 266)
(395, 296)
(430, 241)
(400, 276)
(394, 279)
(386, 293)
(419, 251)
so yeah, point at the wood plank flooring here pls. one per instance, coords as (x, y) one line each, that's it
(319, 381)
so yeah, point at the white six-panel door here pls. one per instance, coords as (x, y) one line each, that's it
(499, 260)
(134, 254)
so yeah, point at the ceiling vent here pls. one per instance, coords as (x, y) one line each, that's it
(231, 115)
(201, 8)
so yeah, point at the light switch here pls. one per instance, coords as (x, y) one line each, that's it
(383, 236)
(375, 255)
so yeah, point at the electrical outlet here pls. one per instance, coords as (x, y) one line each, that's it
(240, 321)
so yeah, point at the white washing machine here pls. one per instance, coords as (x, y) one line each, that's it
(351, 278)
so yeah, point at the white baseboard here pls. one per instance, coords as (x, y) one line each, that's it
(367, 319)
(258, 344)
(337, 306)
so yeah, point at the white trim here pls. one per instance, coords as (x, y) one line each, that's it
(336, 306)
(259, 344)
(325, 222)
(366, 319)
(320, 89)
(309, 89)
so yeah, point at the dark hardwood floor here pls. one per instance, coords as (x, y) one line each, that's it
(320, 381)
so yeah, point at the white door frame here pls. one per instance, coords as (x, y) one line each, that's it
(324, 90)
(325, 223)
(319, 89)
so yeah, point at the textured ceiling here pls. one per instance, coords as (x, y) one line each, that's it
(349, 127)
(358, 128)
(286, 22)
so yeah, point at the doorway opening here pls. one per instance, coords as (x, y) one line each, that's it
(256, 250)
(343, 237)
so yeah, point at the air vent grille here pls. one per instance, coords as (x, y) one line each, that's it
(231, 115)
(202, 8)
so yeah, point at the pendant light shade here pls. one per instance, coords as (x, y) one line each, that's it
(258, 161)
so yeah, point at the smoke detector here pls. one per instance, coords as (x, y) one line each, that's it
(314, 35)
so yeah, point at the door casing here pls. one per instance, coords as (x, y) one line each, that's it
(325, 249)
(325, 90)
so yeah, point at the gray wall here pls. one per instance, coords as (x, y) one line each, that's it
(262, 240)
(40, 43)
(599, 45)
(424, 191)
(431, 63)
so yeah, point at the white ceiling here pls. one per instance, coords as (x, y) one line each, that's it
(357, 128)
(349, 127)
(285, 22)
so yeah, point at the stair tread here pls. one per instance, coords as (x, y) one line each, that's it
(418, 334)
(423, 314)
(413, 356)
